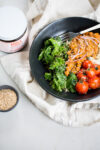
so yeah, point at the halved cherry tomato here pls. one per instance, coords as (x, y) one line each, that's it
(82, 87)
(94, 82)
(81, 76)
(91, 72)
(87, 64)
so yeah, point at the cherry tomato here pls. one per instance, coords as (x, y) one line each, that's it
(87, 64)
(95, 65)
(91, 72)
(82, 70)
(94, 83)
(82, 87)
(81, 76)
(97, 70)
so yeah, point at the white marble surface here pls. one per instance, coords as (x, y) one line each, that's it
(26, 128)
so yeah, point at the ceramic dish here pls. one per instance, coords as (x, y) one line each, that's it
(13, 89)
(74, 24)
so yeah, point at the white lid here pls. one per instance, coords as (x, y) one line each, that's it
(13, 23)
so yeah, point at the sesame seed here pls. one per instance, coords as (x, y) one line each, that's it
(8, 99)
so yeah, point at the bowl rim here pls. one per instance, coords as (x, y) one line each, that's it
(58, 20)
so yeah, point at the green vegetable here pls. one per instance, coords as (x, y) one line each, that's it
(71, 82)
(59, 81)
(41, 55)
(54, 56)
(57, 63)
(48, 76)
(47, 55)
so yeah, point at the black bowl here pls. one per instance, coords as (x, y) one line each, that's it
(74, 24)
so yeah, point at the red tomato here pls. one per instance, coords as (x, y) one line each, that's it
(91, 73)
(82, 70)
(94, 83)
(81, 76)
(87, 64)
(82, 87)
(95, 65)
(97, 70)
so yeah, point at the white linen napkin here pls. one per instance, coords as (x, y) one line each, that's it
(16, 65)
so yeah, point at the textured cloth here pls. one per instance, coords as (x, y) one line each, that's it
(40, 13)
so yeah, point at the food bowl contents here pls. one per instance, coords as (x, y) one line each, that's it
(8, 99)
(88, 77)
(81, 47)
(82, 87)
(13, 29)
(68, 64)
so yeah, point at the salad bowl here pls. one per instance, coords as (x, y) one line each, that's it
(72, 24)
